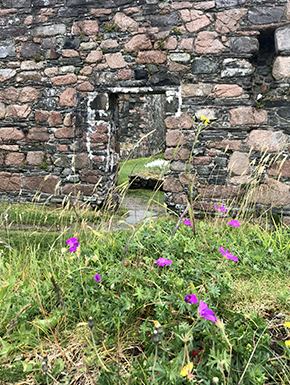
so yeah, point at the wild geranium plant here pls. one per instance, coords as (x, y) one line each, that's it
(228, 255)
(73, 243)
(221, 209)
(234, 223)
(163, 262)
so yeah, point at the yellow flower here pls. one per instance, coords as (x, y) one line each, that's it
(202, 117)
(287, 324)
(186, 369)
(205, 123)
(287, 343)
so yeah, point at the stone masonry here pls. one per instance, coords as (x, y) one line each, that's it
(68, 67)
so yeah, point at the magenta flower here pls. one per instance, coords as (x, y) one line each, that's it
(205, 312)
(187, 222)
(234, 223)
(97, 277)
(73, 243)
(163, 262)
(222, 209)
(190, 298)
(228, 255)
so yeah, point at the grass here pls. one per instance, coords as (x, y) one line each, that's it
(136, 166)
(45, 317)
(48, 295)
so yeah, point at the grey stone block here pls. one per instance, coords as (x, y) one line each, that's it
(236, 67)
(265, 15)
(229, 3)
(6, 49)
(164, 20)
(245, 44)
(49, 30)
(12, 30)
(282, 39)
(203, 66)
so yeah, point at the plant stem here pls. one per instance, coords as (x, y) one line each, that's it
(96, 350)
(154, 364)
(251, 356)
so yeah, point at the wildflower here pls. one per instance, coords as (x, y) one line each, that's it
(222, 209)
(228, 255)
(205, 312)
(287, 343)
(190, 298)
(187, 222)
(185, 371)
(163, 262)
(97, 277)
(234, 223)
(73, 243)
(205, 120)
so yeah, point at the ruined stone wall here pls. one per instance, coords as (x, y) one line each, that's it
(66, 65)
(141, 125)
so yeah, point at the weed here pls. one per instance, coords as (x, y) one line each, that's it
(37, 58)
(176, 31)
(110, 27)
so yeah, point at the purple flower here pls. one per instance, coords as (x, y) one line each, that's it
(187, 222)
(190, 298)
(234, 223)
(163, 262)
(205, 312)
(222, 209)
(73, 243)
(228, 255)
(97, 277)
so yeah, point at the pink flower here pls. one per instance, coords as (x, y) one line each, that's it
(205, 312)
(187, 222)
(163, 262)
(234, 223)
(190, 298)
(228, 255)
(222, 209)
(97, 277)
(73, 243)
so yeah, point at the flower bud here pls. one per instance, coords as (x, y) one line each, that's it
(91, 323)
(220, 324)
(215, 381)
(157, 335)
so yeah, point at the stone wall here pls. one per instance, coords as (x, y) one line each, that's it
(66, 66)
(141, 125)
